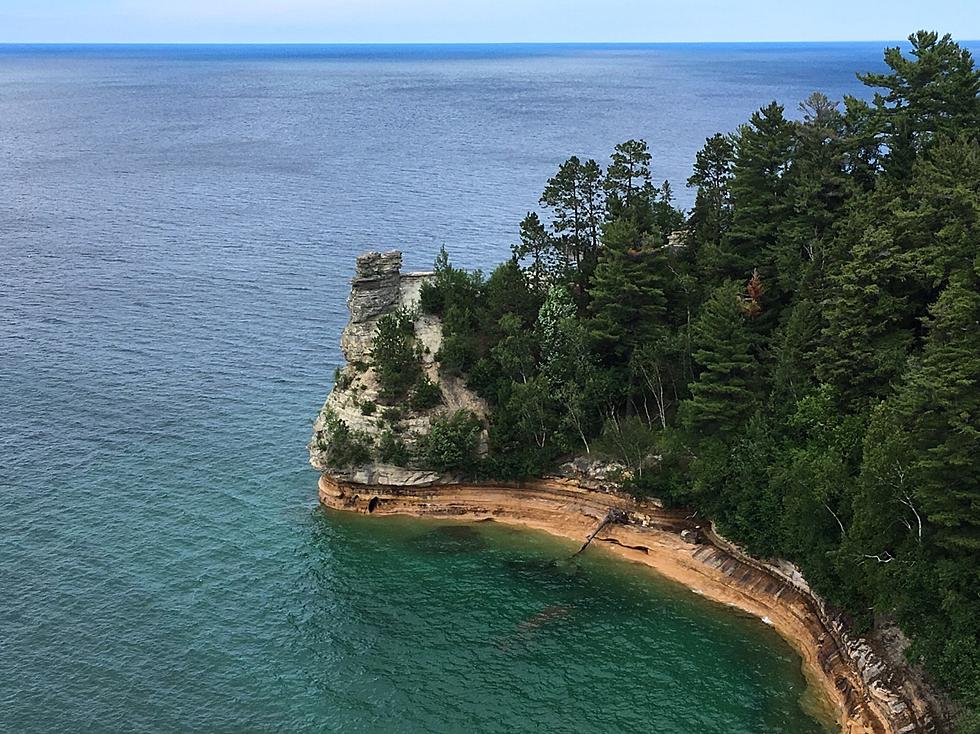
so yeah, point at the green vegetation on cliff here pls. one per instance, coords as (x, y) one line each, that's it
(798, 358)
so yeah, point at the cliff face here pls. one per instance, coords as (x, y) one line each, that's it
(379, 288)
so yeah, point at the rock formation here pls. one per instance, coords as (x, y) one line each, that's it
(378, 288)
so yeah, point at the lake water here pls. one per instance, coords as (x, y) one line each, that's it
(177, 231)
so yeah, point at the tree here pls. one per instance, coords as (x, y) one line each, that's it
(712, 177)
(933, 93)
(394, 355)
(938, 406)
(627, 185)
(451, 443)
(816, 190)
(545, 262)
(574, 195)
(628, 303)
(762, 158)
(723, 391)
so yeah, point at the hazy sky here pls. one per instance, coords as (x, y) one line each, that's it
(479, 20)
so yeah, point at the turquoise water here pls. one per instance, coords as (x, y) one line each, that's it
(177, 231)
(435, 626)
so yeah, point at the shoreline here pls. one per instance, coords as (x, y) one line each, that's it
(710, 567)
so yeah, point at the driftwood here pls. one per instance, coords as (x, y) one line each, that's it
(612, 516)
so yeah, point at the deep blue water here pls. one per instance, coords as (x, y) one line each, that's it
(177, 228)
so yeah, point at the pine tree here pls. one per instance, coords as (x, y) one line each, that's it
(938, 405)
(762, 155)
(574, 195)
(712, 177)
(627, 184)
(538, 248)
(869, 325)
(628, 304)
(816, 190)
(723, 393)
(934, 93)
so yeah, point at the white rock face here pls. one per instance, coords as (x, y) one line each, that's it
(379, 288)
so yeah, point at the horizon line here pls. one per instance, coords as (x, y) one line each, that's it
(461, 43)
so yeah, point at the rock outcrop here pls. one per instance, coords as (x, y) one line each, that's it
(379, 288)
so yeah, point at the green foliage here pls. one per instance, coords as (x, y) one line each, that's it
(392, 450)
(342, 379)
(369, 407)
(395, 356)
(628, 302)
(712, 177)
(342, 446)
(722, 396)
(451, 443)
(574, 195)
(545, 262)
(425, 395)
(628, 440)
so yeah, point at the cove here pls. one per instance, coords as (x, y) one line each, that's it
(441, 626)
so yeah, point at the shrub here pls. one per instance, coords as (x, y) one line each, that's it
(392, 414)
(456, 355)
(395, 355)
(368, 407)
(392, 450)
(451, 442)
(343, 446)
(425, 395)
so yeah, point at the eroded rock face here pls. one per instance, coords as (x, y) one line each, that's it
(375, 286)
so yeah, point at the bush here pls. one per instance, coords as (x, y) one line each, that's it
(456, 355)
(392, 414)
(451, 442)
(425, 395)
(368, 407)
(343, 447)
(397, 362)
(392, 450)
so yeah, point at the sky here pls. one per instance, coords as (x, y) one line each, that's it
(469, 21)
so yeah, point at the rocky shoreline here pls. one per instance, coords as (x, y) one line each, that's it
(866, 695)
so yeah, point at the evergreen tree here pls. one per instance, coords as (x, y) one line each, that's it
(538, 248)
(627, 291)
(762, 158)
(627, 184)
(574, 195)
(931, 94)
(816, 191)
(712, 177)
(724, 390)
(938, 406)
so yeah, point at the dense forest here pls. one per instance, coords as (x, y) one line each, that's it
(797, 357)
